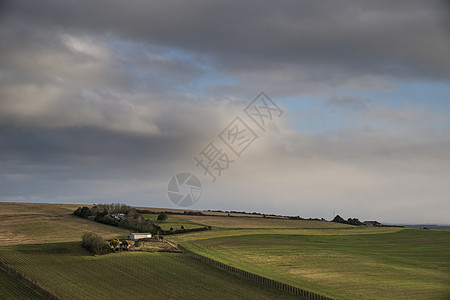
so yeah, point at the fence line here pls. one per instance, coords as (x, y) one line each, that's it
(264, 280)
(36, 286)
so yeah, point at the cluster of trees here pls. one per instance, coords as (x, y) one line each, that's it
(229, 212)
(98, 245)
(242, 212)
(116, 245)
(95, 243)
(350, 221)
(184, 230)
(162, 217)
(192, 213)
(129, 218)
(83, 212)
(114, 208)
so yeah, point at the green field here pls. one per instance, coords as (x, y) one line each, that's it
(12, 288)
(71, 272)
(407, 264)
(173, 222)
(221, 232)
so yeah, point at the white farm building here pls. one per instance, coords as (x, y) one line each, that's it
(138, 236)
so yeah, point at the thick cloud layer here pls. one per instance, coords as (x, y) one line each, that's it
(104, 101)
(406, 38)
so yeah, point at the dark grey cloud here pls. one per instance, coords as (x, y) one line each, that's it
(405, 39)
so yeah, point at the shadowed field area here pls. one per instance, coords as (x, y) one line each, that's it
(71, 272)
(12, 288)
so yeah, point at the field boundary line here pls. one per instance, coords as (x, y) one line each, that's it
(261, 279)
(36, 286)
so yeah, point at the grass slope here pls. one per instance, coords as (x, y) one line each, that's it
(173, 222)
(71, 273)
(12, 288)
(30, 223)
(407, 264)
(246, 221)
(222, 232)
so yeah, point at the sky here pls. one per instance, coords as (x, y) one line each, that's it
(106, 101)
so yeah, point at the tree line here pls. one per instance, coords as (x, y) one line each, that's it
(120, 215)
(128, 217)
(350, 221)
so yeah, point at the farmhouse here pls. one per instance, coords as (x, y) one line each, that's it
(138, 236)
(371, 223)
(118, 216)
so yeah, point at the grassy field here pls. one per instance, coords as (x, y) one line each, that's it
(72, 273)
(247, 221)
(407, 264)
(229, 232)
(12, 288)
(29, 223)
(340, 261)
(172, 221)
